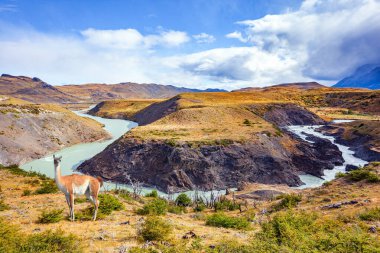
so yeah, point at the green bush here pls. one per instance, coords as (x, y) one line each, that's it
(13, 241)
(183, 200)
(152, 194)
(125, 194)
(287, 201)
(199, 207)
(154, 207)
(222, 220)
(26, 192)
(3, 206)
(108, 204)
(225, 204)
(370, 214)
(363, 174)
(47, 187)
(51, 216)
(340, 175)
(177, 209)
(80, 200)
(155, 229)
(14, 169)
(307, 232)
(52, 241)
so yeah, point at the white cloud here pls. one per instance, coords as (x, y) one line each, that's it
(204, 38)
(236, 35)
(329, 38)
(132, 39)
(323, 40)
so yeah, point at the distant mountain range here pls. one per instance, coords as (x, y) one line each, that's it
(37, 91)
(301, 86)
(367, 76)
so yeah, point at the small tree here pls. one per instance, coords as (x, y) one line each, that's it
(183, 200)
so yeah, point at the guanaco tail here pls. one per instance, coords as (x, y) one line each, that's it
(76, 184)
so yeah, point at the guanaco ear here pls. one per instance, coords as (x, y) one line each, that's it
(60, 158)
(54, 157)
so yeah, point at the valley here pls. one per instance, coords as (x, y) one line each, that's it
(201, 142)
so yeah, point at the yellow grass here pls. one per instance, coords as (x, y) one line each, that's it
(124, 108)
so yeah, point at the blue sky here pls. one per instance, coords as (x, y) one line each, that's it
(215, 43)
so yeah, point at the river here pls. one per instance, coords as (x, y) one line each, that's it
(73, 156)
(348, 155)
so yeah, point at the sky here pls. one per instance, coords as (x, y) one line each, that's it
(226, 44)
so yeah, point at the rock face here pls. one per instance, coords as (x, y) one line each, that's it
(287, 114)
(29, 132)
(180, 168)
(361, 136)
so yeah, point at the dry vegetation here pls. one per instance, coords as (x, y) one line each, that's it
(123, 108)
(206, 117)
(344, 210)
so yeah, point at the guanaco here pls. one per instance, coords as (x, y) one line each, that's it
(76, 184)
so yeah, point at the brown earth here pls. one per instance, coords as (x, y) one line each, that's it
(30, 131)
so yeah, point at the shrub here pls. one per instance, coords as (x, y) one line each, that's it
(125, 194)
(155, 229)
(14, 169)
(222, 220)
(306, 232)
(80, 200)
(108, 204)
(152, 194)
(12, 240)
(52, 241)
(47, 187)
(177, 209)
(183, 200)
(340, 175)
(199, 207)
(52, 216)
(287, 201)
(226, 205)
(363, 174)
(370, 214)
(155, 207)
(26, 192)
(3, 206)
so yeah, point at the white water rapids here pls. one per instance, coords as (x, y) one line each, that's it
(348, 155)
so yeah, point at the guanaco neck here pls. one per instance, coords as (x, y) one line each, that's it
(58, 175)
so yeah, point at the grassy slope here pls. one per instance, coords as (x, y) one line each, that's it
(108, 234)
(211, 116)
(121, 109)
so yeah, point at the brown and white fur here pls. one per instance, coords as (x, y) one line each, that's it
(76, 184)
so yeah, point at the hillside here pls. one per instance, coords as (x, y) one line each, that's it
(366, 76)
(30, 131)
(121, 109)
(301, 86)
(100, 92)
(341, 216)
(33, 90)
(215, 140)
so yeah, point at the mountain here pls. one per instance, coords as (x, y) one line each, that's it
(37, 91)
(367, 76)
(301, 86)
(33, 90)
(100, 92)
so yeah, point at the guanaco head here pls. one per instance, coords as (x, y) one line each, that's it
(57, 160)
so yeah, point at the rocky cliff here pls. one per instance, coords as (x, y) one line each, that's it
(30, 131)
(363, 137)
